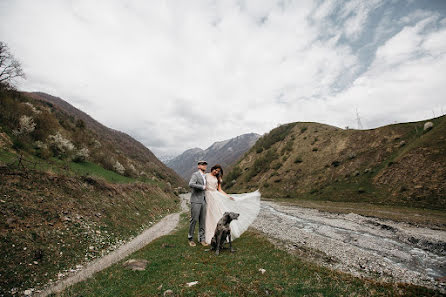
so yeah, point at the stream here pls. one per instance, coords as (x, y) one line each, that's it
(360, 245)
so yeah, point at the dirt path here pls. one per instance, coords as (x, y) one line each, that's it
(163, 227)
(363, 246)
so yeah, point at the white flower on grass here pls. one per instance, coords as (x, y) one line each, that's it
(119, 168)
(26, 125)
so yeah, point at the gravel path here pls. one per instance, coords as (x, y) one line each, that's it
(163, 227)
(362, 246)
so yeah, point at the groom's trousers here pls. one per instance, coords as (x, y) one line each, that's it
(197, 214)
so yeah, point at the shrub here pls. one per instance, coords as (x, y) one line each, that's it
(274, 136)
(276, 165)
(81, 155)
(46, 126)
(298, 159)
(26, 126)
(59, 145)
(315, 149)
(261, 164)
(288, 147)
(303, 129)
(118, 168)
(259, 150)
(234, 173)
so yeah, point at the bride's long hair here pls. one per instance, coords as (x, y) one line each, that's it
(219, 176)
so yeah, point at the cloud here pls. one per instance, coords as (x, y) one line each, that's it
(177, 74)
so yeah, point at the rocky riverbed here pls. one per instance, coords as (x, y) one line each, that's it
(363, 246)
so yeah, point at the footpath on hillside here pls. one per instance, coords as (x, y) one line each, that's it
(163, 227)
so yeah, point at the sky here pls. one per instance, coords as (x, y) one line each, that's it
(182, 74)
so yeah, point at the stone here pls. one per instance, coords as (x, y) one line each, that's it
(262, 270)
(27, 292)
(192, 284)
(136, 264)
(168, 293)
(428, 126)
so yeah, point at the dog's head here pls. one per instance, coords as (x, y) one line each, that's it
(229, 216)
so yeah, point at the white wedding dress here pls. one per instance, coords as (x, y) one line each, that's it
(217, 203)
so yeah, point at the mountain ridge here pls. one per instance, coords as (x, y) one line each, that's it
(225, 153)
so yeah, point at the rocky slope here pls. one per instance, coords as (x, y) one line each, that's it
(399, 164)
(225, 153)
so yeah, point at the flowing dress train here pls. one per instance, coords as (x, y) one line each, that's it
(247, 205)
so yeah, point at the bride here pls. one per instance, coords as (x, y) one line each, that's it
(218, 202)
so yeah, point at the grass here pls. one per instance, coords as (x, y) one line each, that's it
(50, 222)
(172, 264)
(74, 169)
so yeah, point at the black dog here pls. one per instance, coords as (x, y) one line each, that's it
(223, 231)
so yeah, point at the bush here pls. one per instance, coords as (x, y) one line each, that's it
(26, 126)
(234, 173)
(81, 155)
(274, 136)
(61, 147)
(118, 168)
(298, 159)
(303, 129)
(259, 150)
(261, 164)
(276, 165)
(288, 147)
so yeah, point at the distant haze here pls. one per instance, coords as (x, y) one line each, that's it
(183, 74)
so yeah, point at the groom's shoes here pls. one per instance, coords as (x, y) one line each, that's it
(191, 243)
(203, 243)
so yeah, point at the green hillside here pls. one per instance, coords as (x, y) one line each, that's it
(398, 164)
(70, 191)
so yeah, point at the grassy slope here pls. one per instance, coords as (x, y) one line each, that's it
(56, 213)
(392, 165)
(172, 264)
(60, 221)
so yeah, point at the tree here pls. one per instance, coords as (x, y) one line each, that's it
(10, 68)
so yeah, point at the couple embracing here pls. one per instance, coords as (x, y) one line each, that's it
(209, 202)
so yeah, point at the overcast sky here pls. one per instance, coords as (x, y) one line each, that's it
(182, 74)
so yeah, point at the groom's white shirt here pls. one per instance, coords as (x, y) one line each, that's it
(203, 176)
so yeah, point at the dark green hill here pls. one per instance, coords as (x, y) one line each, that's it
(398, 164)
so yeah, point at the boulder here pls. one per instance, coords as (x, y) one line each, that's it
(136, 264)
(428, 126)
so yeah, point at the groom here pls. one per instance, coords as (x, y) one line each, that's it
(198, 204)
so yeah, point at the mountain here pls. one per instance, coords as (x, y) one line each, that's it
(401, 164)
(71, 189)
(225, 153)
(122, 143)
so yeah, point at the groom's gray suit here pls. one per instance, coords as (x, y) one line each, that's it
(197, 206)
